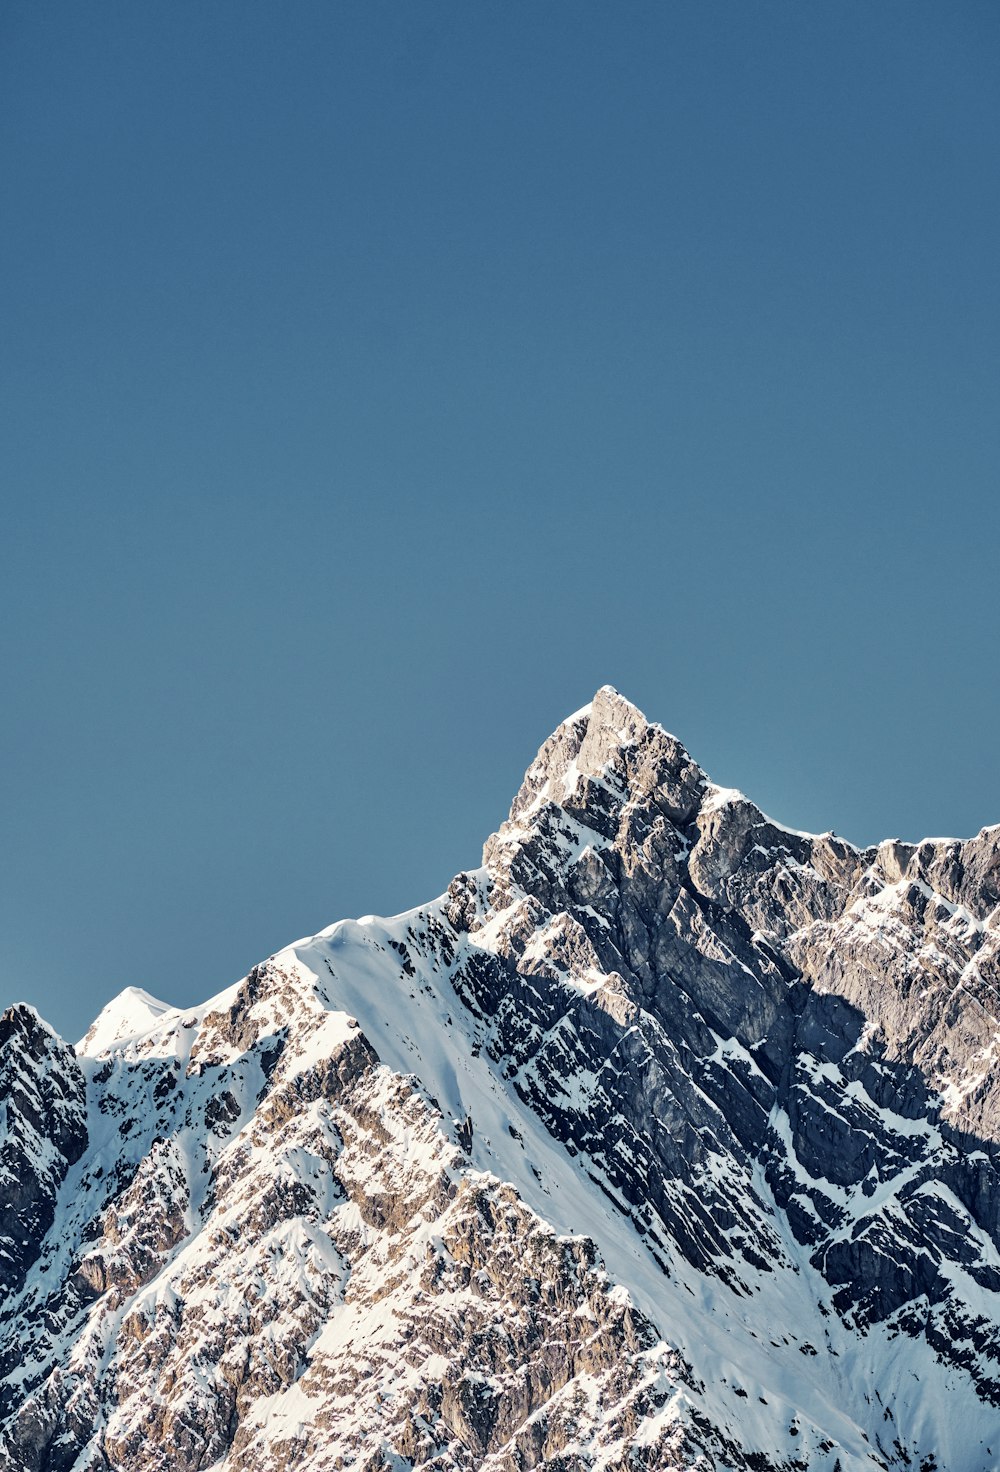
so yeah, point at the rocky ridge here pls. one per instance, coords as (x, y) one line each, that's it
(42, 1133)
(666, 1139)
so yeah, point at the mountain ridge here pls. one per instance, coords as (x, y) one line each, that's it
(733, 1084)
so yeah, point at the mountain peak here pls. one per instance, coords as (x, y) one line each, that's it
(609, 744)
(132, 1012)
(610, 711)
(614, 722)
(21, 1020)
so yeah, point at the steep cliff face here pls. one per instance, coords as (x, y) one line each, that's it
(42, 1132)
(666, 1139)
(746, 1002)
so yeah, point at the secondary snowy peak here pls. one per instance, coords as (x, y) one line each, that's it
(129, 1015)
(667, 1139)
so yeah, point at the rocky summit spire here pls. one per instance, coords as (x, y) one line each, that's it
(667, 1139)
(609, 743)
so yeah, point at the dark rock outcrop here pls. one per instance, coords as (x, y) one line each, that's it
(43, 1131)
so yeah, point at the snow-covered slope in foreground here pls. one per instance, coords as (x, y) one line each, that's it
(667, 1139)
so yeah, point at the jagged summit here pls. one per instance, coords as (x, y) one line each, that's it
(667, 1139)
(21, 1019)
(611, 743)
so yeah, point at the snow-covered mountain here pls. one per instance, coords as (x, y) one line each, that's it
(667, 1139)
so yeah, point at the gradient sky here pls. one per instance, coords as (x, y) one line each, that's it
(380, 379)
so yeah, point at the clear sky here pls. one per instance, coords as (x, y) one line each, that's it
(380, 379)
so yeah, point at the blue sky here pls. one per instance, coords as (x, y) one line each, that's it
(379, 380)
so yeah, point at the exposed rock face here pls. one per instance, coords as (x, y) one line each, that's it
(667, 1139)
(749, 1000)
(43, 1130)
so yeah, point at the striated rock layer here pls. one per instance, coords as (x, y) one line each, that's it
(667, 1139)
